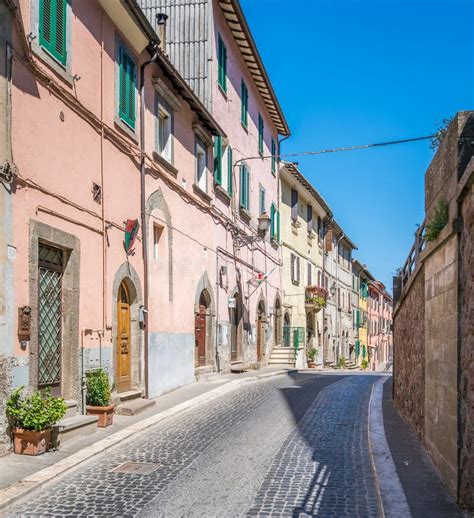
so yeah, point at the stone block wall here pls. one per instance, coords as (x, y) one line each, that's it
(409, 355)
(466, 278)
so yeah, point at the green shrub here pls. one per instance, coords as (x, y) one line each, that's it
(311, 354)
(364, 364)
(438, 221)
(342, 362)
(36, 412)
(98, 388)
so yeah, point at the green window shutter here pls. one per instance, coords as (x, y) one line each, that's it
(218, 160)
(273, 221)
(127, 89)
(244, 187)
(274, 152)
(244, 103)
(52, 28)
(230, 167)
(278, 225)
(221, 64)
(260, 134)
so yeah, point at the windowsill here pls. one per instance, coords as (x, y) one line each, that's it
(296, 283)
(244, 127)
(64, 71)
(274, 242)
(164, 163)
(221, 191)
(245, 213)
(295, 223)
(201, 193)
(125, 128)
(223, 92)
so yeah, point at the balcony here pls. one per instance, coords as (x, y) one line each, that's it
(315, 298)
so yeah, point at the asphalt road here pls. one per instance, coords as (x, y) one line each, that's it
(292, 445)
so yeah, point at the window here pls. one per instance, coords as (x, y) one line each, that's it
(218, 160)
(52, 28)
(309, 218)
(244, 104)
(230, 170)
(295, 269)
(221, 64)
(127, 85)
(157, 232)
(310, 274)
(294, 204)
(201, 166)
(244, 187)
(164, 131)
(274, 153)
(319, 278)
(261, 200)
(260, 134)
(274, 223)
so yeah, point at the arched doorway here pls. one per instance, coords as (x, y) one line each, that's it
(236, 329)
(277, 325)
(123, 372)
(260, 324)
(202, 329)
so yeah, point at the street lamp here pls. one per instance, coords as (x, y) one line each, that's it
(241, 239)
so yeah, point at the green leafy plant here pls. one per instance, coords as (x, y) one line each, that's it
(98, 388)
(36, 412)
(364, 364)
(342, 362)
(440, 133)
(438, 221)
(311, 354)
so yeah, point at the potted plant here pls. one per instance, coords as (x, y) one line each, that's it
(98, 397)
(364, 364)
(31, 418)
(311, 354)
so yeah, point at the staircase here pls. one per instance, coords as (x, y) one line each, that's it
(284, 356)
(132, 403)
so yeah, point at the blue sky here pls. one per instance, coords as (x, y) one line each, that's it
(354, 72)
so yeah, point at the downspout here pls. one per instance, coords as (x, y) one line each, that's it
(325, 344)
(143, 207)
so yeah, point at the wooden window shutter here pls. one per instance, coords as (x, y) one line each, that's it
(292, 260)
(127, 89)
(274, 153)
(218, 160)
(310, 274)
(52, 28)
(328, 240)
(298, 269)
(230, 166)
(260, 133)
(309, 217)
(294, 204)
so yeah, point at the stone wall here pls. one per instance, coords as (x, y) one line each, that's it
(434, 320)
(466, 277)
(409, 354)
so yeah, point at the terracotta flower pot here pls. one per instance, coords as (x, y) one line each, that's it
(311, 364)
(105, 413)
(29, 442)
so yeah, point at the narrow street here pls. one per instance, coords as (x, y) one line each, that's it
(294, 445)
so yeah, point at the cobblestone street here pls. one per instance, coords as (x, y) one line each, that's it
(294, 445)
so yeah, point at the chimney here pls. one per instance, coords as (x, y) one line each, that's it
(161, 19)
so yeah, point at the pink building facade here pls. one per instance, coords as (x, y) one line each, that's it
(93, 147)
(380, 307)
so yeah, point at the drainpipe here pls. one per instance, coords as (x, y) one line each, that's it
(143, 205)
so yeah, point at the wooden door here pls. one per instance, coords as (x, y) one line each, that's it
(200, 336)
(260, 337)
(123, 378)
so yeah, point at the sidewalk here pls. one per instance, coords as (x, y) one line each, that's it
(425, 493)
(20, 473)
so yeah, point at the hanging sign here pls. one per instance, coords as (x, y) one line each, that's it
(131, 230)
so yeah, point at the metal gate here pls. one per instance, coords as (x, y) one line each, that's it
(50, 263)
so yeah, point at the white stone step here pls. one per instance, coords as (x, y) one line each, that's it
(71, 427)
(134, 406)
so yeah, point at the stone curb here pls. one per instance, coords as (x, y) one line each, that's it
(391, 496)
(12, 493)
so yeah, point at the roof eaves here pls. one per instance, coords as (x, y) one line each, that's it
(259, 72)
